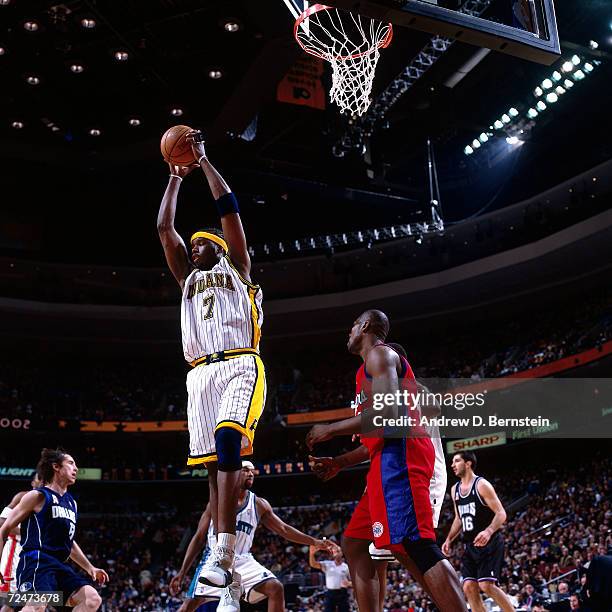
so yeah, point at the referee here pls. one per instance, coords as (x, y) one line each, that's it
(337, 580)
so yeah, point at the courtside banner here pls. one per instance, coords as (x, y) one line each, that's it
(89, 474)
(28, 473)
(16, 472)
(476, 442)
(302, 85)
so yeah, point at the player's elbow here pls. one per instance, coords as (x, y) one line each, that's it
(502, 516)
(164, 227)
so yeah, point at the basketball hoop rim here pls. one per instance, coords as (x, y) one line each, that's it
(315, 8)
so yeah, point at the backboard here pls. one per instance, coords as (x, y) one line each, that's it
(523, 28)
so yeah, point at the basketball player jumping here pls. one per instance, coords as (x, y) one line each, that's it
(480, 515)
(395, 510)
(12, 548)
(221, 318)
(327, 467)
(49, 516)
(258, 582)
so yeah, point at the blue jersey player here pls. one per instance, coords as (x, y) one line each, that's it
(48, 517)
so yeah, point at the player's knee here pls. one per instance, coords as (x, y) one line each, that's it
(424, 552)
(92, 600)
(470, 588)
(486, 586)
(227, 445)
(276, 592)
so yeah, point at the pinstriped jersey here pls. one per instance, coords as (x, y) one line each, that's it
(247, 520)
(220, 310)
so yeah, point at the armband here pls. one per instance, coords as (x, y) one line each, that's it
(227, 204)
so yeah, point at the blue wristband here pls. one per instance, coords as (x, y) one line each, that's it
(227, 204)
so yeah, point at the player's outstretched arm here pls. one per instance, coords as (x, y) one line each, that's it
(382, 364)
(455, 529)
(489, 496)
(174, 247)
(327, 467)
(95, 573)
(276, 525)
(196, 544)
(227, 206)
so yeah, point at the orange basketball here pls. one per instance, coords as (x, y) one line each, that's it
(174, 146)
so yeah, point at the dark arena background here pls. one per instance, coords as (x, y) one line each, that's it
(471, 202)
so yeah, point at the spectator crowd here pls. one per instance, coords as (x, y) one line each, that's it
(558, 520)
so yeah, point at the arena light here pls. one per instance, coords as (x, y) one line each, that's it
(568, 84)
(579, 75)
(31, 26)
(18, 125)
(593, 44)
(476, 144)
(532, 113)
(559, 90)
(77, 68)
(483, 137)
(513, 112)
(231, 26)
(5, 2)
(121, 56)
(547, 83)
(33, 80)
(541, 106)
(576, 60)
(468, 150)
(567, 67)
(2, 50)
(215, 74)
(95, 132)
(176, 112)
(512, 140)
(556, 75)
(88, 23)
(538, 92)
(589, 67)
(134, 122)
(552, 97)
(498, 125)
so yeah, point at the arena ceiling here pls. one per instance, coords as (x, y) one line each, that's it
(82, 109)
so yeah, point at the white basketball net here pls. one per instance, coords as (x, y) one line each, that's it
(351, 44)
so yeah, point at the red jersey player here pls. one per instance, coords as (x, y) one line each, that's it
(395, 511)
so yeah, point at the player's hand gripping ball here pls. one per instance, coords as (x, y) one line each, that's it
(196, 139)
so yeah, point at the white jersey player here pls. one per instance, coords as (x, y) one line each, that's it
(257, 581)
(12, 548)
(221, 318)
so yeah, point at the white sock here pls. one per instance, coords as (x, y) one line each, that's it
(226, 543)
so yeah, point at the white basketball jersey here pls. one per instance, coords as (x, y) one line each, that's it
(220, 310)
(246, 524)
(437, 484)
